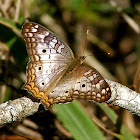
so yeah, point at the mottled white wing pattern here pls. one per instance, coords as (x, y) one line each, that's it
(90, 85)
(49, 57)
(54, 75)
(83, 83)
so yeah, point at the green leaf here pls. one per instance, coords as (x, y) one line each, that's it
(77, 122)
(10, 24)
(114, 118)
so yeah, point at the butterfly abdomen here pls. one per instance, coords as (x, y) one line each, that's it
(74, 64)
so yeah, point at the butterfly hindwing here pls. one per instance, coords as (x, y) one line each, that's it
(83, 83)
(90, 85)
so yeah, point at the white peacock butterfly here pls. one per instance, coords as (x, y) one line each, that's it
(54, 75)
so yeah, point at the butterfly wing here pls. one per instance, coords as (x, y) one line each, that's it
(83, 83)
(90, 85)
(49, 57)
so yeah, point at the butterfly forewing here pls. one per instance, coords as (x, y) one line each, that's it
(43, 45)
(49, 57)
(54, 75)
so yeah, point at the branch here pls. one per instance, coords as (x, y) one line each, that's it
(20, 108)
(124, 97)
(17, 110)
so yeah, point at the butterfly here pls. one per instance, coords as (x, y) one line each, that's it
(54, 75)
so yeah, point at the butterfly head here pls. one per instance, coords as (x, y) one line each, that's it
(82, 58)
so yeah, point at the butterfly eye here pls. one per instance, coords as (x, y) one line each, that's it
(66, 91)
(43, 50)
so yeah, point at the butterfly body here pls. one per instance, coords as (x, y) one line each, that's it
(54, 75)
(74, 64)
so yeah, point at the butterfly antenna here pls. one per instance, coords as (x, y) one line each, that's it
(85, 42)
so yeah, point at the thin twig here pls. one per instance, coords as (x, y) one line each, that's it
(17, 10)
(12, 27)
(131, 23)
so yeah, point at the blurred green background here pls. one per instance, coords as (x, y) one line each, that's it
(112, 47)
